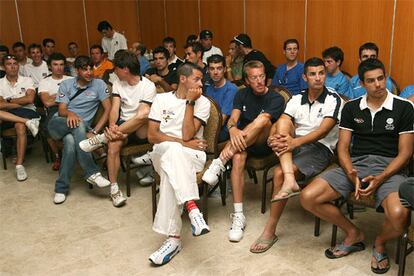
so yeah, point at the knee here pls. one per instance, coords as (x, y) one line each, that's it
(263, 121)
(309, 196)
(398, 216)
(69, 144)
(20, 129)
(114, 148)
(239, 160)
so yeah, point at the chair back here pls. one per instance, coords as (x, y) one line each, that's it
(212, 128)
(282, 91)
(347, 75)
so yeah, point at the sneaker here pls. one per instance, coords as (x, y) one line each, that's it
(98, 180)
(142, 160)
(56, 164)
(212, 174)
(237, 227)
(198, 224)
(33, 126)
(21, 174)
(166, 252)
(118, 199)
(59, 198)
(93, 143)
(147, 180)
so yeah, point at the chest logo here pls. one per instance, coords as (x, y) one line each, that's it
(167, 115)
(389, 124)
(244, 108)
(23, 90)
(359, 120)
(320, 115)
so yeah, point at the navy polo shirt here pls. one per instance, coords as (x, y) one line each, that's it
(377, 132)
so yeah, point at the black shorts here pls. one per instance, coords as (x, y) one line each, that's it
(21, 112)
(259, 150)
(132, 138)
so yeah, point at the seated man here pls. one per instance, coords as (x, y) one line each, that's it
(37, 69)
(380, 126)
(335, 79)
(48, 89)
(176, 124)
(162, 75)
(19, 50)
(234, 62)
(173, 61)
(112, 41)
(48, 48)
(139, 50)
(194, 54)
(206, 40)
(255, 109)
(132, 97)
(78, 99)
(303, 138)
(17, 109)
(73, 50)
(100, 62)
(222, 91)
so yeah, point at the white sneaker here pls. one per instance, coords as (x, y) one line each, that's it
(237, 227)
(166, 252)
(198, 224)
(147, 180)
(21, 174)
(98, 180)
(118, 199)
(59, 198)
(93, 143)
(33, 126)
(212, 174)
(142, 160)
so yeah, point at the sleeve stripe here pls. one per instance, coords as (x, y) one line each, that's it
(332, 117)
(202, 121)
(147, 102)
(341, 127)
(406, 132)
(291, 117)
(116, 95)
(338, 105)
(154, 120)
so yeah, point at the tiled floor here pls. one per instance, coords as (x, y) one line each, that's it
(86, 235)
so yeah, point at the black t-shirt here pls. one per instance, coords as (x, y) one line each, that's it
(257, 55)
(170, 78)
(174, 66)
(380, 137)
(252, 105)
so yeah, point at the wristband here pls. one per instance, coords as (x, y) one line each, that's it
(190, 102)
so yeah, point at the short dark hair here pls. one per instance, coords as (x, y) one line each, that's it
(252, 64)
(96, 46)
(55, 56)
(47, 40)
(72, 43)
(18, 44)
(186, 69)
(169, 39)
(191, 38)
(104, 25)
(368, 46)
(141, 48)
(162, 50)
(4, 48)
(196, 46)
(313, 62)
(34, 46)
(127, 59)
(335, 53)
(216, 59)
(81, 62)
(369, 65)
(290, 41)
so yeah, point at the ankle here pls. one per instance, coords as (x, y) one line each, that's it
(191, 206)
(238, 207)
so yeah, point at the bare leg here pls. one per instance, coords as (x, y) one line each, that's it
(9, 117)
(21, 142)
(237, 176)
(113, 161)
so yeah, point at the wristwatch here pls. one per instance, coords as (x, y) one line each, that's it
(9, 100)
(229, 126)
(94, 131)
(190, 102)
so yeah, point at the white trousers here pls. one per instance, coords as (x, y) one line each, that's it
(177, 167)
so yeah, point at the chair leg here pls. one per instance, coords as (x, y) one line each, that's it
(204, 202)
(223, 188)
(317, 229)
(3, 155)
(254, 176)
(350, 209)
(401, 253)
(264, 182)
(334, 232)
(128, 171)
(154, 199)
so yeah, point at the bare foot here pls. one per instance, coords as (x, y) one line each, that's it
(383, 264)
(264, 242)
(353, 237)
(288, 187)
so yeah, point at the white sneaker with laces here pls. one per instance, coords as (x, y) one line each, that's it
(118, 199)
(237, 227)
(142, 160)
(198, 224)
(59, 198)
(166, 252)
(93, 143)
(21, 174)
(146, 180)
(33, 126)
(214, 171)
(98, 180)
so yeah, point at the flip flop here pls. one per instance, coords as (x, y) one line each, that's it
(290, 193)
(380, 257)
(268, 243)
(348, 249)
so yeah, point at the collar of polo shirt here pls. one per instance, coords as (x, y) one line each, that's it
(387, 104)
(321, 98)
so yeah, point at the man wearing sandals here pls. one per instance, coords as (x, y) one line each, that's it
(380, 126)
(303, 138)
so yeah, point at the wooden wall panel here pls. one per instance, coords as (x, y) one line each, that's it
(122, 15)
(270, 23)
(349, 24)
(61, 20)
(224, 18)
(182, 20)
(152, 22)
(402, 54)
(9, 29)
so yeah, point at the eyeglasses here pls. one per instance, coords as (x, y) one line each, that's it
(257, 78)
(7, 57)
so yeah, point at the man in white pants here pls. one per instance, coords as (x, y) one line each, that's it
(175, 128)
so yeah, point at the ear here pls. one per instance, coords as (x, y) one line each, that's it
(304, 78)
(182, 78)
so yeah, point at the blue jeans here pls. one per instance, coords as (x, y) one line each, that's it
(58, 130)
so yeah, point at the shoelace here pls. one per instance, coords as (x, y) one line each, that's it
(237, 222)
(94, 141)
(198, 219)
(164, 247)
(117, 196)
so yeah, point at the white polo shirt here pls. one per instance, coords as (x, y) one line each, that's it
(112, 45)
(21, 66)
(132, 95)
(17, 90)
(213, 51)
(308, 116)
(50, 85)
(37, 73)
(169, 111)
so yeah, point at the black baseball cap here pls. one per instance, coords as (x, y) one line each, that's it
(206, 34)
(243, 39)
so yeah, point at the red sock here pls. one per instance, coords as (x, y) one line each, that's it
(190, 205)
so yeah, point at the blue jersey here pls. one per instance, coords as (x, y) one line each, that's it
(291, 79)
(143, 65)
(339, 83)
(407, 92)
(358, 90)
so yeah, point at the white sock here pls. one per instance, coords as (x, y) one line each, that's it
(114, 188)
(19, 166)
(238, 207)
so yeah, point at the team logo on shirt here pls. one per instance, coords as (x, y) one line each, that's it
(359, 120)
(167, 115)
(23, 90)
(389, 124)
(244, 108)
(320, 115)
(44, 74)
(107, 91)
(61, 95)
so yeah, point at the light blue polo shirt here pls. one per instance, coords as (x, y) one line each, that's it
(339, 83)
(86, 104)
(290, 79)
(358, 90)
(407, 91)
